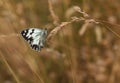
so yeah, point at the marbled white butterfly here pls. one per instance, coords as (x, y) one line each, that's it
(35, 37)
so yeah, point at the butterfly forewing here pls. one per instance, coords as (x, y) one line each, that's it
(35, 37)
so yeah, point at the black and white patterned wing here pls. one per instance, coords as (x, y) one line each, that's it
(35, 37)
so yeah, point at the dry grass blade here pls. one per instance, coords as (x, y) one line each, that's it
(58, 28)
(10, 69)
(54, 16)
(37, 75)
(93, 58)
(11, 35)
(114, 28)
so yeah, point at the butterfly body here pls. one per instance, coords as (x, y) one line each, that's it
(35, 37)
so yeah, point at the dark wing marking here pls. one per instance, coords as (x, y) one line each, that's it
(27, 35)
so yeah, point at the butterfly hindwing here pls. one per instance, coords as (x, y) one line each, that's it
(35, 37)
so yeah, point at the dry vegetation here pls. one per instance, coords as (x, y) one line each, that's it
(83, 44)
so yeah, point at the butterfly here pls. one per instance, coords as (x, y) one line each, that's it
(35, 37)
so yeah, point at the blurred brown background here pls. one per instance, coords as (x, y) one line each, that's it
(68, 57)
